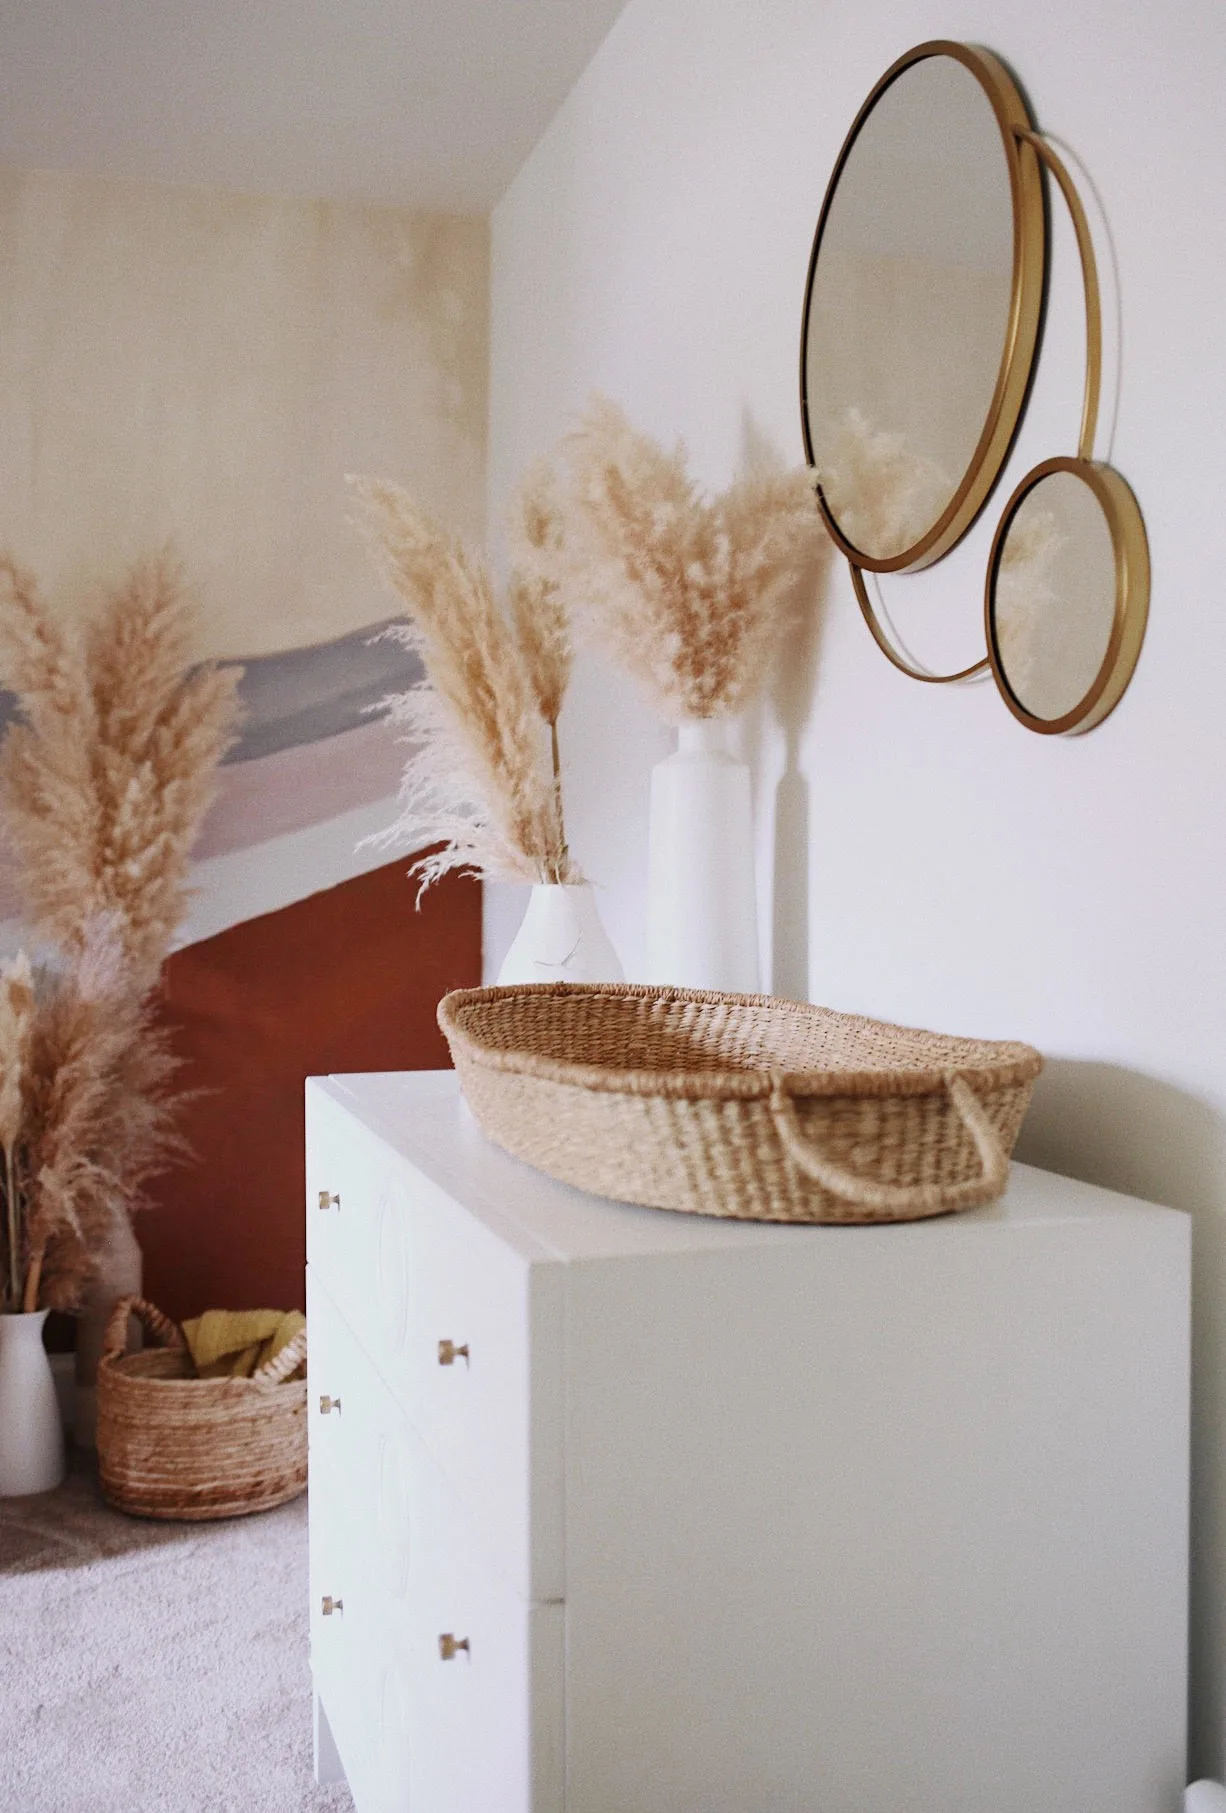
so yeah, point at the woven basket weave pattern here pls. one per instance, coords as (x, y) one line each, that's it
(177, 1447)
(675, 1099)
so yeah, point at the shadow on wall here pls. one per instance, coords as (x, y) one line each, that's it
(1126, 1131)
(789, 700)
(1135, 1133)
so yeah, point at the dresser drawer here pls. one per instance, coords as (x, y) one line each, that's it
(465, 1331)
(363, 1456)
(478, 1729)
(344, 1662)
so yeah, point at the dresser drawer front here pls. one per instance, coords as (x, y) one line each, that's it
(419, 1735)
(355, 1237)
(343, 1660)
(465, 1331)
(477, 1730)
(364, 1463)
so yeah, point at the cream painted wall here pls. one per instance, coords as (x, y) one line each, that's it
(189, 363)
(922, 857)
(204, 366)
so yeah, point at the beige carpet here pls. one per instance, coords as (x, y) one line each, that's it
(153, 1668)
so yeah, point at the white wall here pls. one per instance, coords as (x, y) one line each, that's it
(922, 856)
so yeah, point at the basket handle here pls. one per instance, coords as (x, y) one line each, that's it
(906, 1199)
(165, 1333)
(284, 1364)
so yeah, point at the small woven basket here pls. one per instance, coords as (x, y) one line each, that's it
(177, 1447)
(738, 1105)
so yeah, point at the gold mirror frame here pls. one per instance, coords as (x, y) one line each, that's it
(1131, 607)
(1027, 154)
(1025, 311)
(1115, 499)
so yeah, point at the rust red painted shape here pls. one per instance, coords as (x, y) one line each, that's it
(345, 980)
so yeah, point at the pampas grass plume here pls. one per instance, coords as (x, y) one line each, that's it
(104, 780)
(98, 1115)
(688, 593)
(107, 778)
(476, 781)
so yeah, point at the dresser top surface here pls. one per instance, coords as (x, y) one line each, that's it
(423, 1116)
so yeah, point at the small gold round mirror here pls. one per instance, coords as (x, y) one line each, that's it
(922, 306)
(1067, 595)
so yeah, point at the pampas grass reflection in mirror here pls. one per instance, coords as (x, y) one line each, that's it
(104, 780)
(884, 494)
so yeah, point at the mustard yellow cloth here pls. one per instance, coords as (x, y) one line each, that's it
(231, 1343)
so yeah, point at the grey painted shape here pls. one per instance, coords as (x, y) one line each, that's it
(305, 694)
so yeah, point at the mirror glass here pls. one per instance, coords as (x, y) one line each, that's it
(1053, 603)
(909, 323)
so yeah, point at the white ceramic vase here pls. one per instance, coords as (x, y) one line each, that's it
(561, 939)
(31, 1437)
(702, 914)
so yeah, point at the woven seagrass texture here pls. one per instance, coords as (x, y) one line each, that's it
(739, 1105)
(177, 1447)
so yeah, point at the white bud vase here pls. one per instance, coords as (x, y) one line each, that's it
(561, 939)
(702, 914)
(31, 1438)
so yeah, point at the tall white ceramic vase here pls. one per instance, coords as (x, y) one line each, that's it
(702, 914)
(561, 939)
(31, 1437)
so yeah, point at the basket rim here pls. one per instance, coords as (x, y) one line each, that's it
(119, 1368)
(1006, 1062)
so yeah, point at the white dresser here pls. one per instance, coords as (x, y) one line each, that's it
(615, 1511)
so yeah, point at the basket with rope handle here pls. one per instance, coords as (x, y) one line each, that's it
(746, 1106)
(174, 1446)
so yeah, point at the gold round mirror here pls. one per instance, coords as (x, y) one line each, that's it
(922, 307)
(1067, 595)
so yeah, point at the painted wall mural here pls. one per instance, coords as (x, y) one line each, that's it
(204, 369)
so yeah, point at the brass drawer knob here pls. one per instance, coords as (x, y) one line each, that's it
(331, 1605)
(327, 1405)
(449, 1353)
(329, 1200)
(449, 1647)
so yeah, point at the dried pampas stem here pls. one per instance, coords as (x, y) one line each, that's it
(537, 592)
(476, 782)
(16, 1022)
(537, 597)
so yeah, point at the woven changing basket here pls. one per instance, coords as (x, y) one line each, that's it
(178, 1447)
(738, 1105)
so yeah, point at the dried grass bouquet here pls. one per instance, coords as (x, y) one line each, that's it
(688, 593)
(484, 777)
(104, 779)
